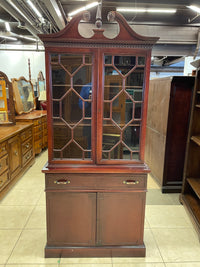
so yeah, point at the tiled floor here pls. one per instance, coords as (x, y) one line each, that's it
(169, 235)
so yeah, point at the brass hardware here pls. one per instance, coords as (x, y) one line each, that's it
(27, 145)
(62, 182)
(16, 153)
(130, 182)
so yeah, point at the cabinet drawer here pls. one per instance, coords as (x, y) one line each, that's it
(26, 146)
(27, 157)
(38, 136)
(37, 129)
(3, 149)
(26, 134)
(44, 119)
(3, 164)
(4, 178)
(37, 122)
(96, 181)
(38, 146)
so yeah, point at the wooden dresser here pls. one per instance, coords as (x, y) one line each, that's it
(39, 120)
(16, 154)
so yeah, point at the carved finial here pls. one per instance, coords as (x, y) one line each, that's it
(98, 16)
(86, 16)
(111, 16)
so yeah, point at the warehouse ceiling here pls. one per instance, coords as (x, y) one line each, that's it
(178, 31)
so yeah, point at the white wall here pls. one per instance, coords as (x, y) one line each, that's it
(15, 63)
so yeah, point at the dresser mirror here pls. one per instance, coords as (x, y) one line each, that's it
(7, 116)
(41, 87)
(23, 95)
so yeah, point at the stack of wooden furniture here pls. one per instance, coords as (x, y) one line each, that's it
(96, 197)
(169, 107)
(190, 195)
(21, 136)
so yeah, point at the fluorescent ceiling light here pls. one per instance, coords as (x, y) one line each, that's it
(83, 8)
(7, 25)
(124, 9)
(34, 8)
(8, 37)
(150, 10)
(28, 38)
(195, 8)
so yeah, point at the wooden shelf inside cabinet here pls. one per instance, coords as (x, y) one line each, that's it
(196, 139)
(195, 184)
(190, 195)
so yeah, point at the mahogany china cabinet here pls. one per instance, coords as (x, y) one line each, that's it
(96, 178)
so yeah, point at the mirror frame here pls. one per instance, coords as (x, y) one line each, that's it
(17, 96)
(10, 108)
(41, 79)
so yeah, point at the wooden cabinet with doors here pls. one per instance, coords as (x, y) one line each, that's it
(96, 178)
(190, 195)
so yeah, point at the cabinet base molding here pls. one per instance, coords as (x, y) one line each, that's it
(105, 251)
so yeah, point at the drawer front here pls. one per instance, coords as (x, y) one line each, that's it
(3, 164)
(27, 157)
(26, 134)
(38, 136)
(3, 149)
(96, 181)
(4, 178)
(26, 146)
(44, 119)
(37, 122)
(38, 146)
(37, 129)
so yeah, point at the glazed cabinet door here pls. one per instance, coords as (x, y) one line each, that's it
(120, 218)
(73, 89)
(122, 108)
(71, 219)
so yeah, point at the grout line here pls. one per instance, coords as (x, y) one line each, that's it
(157, 244)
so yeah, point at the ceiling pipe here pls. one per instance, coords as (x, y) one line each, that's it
(19, 18)
(55, 12)
(45, 11)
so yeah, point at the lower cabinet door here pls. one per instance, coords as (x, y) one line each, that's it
(71, 219)
(120, 218)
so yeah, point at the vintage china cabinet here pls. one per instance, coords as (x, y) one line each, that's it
(96, 178)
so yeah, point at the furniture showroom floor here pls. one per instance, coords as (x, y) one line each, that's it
(170, 238)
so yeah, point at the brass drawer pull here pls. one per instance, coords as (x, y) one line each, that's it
(62, 182)
(130, 182)
(27, 145)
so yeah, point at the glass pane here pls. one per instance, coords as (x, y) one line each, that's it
(141, 60)
(2, 104)
(124, 63)
(72, 101)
